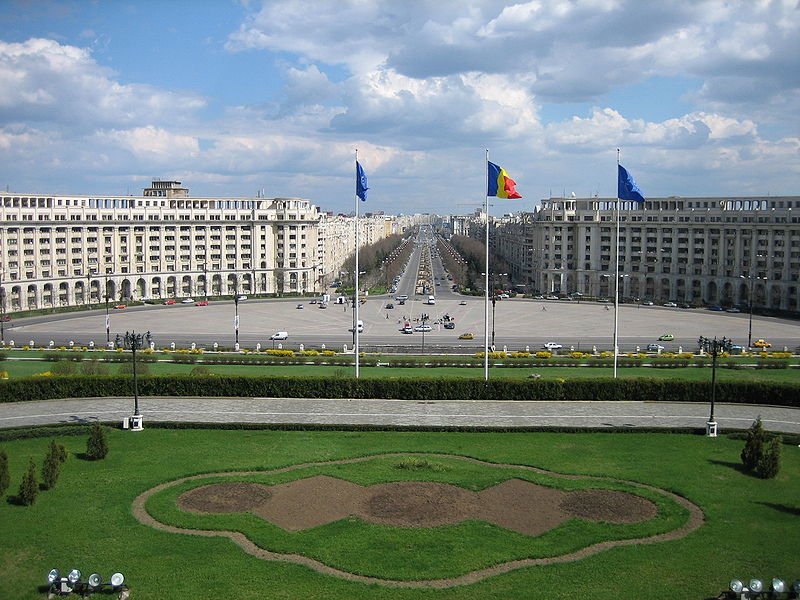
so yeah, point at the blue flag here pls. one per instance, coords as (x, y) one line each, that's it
(626, 186)
(361, 183)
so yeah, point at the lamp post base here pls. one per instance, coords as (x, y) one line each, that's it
(711, 429)
(134, 423)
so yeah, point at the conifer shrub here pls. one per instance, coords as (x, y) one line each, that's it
(51, 468)
(97, 444)
(5, 475)
(761, 454)
(29, 488)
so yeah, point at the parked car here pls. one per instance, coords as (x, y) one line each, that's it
(715, 308)
(241, 298)
(462, 303)
(201, 303)
(670, 305)
(423, 327)
(552, 346)
(169, 302)
(6, 318)
(450, 325)
(666, 337)
(187, 301)
(390, 305)
(654, 347)
(647, 303)
(121, 306)
(762, 343)
(466, 336)
(299, 307)
(279, 335)
(407, 328)
(733, 309)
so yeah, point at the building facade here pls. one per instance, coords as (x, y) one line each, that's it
(691, 250)
(73, 250)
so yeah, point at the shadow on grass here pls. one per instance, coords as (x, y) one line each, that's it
(784, 508)
(736, 466)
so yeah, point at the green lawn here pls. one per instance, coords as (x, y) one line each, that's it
(86, 521)
(27, 368)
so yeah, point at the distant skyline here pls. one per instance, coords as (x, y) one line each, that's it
(234, 98)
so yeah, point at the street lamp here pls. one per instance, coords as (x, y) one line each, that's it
(2, 311)
(713, 347)
(236, 316)
(108, 320)
(752, 278)
(133, 341)
(494, 300)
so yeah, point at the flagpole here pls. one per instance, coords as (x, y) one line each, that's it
(616, 280)
(486, 278)
(356, 300)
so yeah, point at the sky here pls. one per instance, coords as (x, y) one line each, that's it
(237, 98)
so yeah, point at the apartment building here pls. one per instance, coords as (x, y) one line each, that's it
(67, 250)
(699, 251)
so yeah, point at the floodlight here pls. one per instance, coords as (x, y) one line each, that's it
(53, 576)
(736, 586)
(756, 585)
(74, 576)
(117, 579)
(95, 581)
(778, 585)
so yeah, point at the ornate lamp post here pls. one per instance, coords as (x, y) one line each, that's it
(133, 341)
(236, 317)
(713, 347)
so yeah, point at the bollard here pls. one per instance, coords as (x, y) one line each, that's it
(302, 347)
(172, 345)
(194, 346)
(216, 345)
(258, 347)
(236, 346)
(51, 344)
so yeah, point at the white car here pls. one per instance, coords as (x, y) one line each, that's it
(187, 301)
(423, 328)
(552, 346)
(279, 335)
(670, 305)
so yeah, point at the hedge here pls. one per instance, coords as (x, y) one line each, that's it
(40, 388)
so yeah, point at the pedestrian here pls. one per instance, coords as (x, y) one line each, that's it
(544, 308)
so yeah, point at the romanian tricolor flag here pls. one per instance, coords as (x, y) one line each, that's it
(500, 184)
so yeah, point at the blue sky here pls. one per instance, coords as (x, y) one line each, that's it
(702, 98)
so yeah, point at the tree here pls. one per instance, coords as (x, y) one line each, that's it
(51, 468)
(5, 476)
(97, 444)
(761, 455)
(29, 487)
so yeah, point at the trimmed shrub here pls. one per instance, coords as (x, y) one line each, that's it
(5, 476)
(200, 371)
(142, 368)
(97, 444)
(51, 468)
(94, 367)
(761, 454)
(64, 368)
(29, 488)
(769, 462)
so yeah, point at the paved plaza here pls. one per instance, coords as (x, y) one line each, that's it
(518, 324)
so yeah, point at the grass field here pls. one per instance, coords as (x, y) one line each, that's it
(86, 521)
(27, 368)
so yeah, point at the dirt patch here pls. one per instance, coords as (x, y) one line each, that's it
(514, 504)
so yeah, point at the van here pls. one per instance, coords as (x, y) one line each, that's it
(359, 325)
(431, 300)
(279, 335)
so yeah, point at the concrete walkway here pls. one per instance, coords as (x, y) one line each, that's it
(467, 413)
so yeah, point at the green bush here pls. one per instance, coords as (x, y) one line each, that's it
(29, 488)
(51, 468)
(5, 476)
(64, 368)
(97, 444)
(761, 454)
(201, 371)
(94, 367)
(142, 369)
(770, 461)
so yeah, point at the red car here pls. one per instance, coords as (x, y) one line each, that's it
(6, 318)
(201, 303)
(170, 301)
(121, 306)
